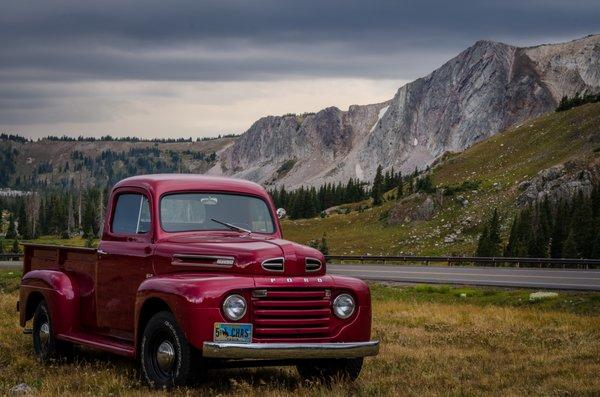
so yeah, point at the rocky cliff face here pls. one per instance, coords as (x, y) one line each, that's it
(485, 89)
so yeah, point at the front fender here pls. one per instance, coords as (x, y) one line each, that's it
(60, 293)
(194, 299)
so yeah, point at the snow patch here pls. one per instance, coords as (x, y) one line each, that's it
(359, 172)
(380, 116)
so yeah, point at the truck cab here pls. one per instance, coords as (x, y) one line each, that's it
(192, 272)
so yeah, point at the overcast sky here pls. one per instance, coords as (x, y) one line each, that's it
(202, 68)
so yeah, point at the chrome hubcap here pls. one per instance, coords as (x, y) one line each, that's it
(165, 355)
(44, 334)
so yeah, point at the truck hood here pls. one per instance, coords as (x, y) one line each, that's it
(248, 251)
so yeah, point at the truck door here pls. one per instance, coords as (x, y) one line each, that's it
(124, 260)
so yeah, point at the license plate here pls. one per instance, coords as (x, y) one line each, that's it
(233, 332)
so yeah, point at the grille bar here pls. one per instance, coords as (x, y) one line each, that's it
(292, 313)
(291, 331)
(287, 322)
(289, 303)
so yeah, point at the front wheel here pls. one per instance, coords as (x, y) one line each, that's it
(166, 356)
(45, 346)
(331, 369)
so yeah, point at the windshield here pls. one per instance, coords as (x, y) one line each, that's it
(183, 212)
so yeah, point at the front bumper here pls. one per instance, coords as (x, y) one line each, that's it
(284, 351)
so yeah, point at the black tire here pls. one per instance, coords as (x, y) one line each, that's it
(163, 330)
(330, 369)
(45, 346)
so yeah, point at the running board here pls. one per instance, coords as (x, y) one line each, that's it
(100, 343)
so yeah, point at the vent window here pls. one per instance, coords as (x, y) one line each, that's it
(273, 265)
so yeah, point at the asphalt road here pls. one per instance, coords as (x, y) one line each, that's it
(10, 264)
(490, 276)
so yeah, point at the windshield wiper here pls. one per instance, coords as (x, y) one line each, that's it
(232, 227)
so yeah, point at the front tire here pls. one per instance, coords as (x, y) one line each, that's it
(331, 369)
(166, 355)
(45, 346)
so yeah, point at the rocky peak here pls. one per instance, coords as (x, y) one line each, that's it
(483, 90)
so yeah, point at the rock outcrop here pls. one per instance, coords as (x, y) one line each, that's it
(485, 89)
(560, 182)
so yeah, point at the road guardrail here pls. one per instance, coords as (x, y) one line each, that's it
(498, 261)
(11, 256)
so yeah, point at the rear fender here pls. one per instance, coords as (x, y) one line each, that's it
(60, 293)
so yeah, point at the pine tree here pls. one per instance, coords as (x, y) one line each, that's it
(323, 247)
(377, 193)
(494, 235)
(24, 231)
(524, 234)
(399, 187)
(582, 225)
(15, 247)
(425, 184)
(11, 232)
(483, 245)
(570, 247)
(596, 249)
(509, 250)
(559, 230)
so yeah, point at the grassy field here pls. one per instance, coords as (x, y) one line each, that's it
(434, 342)
(498, 164)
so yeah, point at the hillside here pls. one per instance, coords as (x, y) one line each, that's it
(485, 89)
(505, 168)
(63, 163)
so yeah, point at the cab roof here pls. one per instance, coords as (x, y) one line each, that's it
(164, 183)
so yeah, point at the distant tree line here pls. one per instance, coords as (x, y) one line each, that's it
(13, 138)
(108, 167)
(308, 202)
(55, 212)
(109, 138)
(578, 99)
(548, 229)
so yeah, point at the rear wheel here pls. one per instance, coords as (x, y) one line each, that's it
(45, 346)
(166, 355)
(331, 369)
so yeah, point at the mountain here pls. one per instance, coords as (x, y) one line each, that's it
(485, 89)
(554, 156)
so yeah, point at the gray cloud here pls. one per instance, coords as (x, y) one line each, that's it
(63, 43)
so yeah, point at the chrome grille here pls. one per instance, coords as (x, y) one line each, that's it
(291, 313)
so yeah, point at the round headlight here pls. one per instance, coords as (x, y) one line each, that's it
(234, 307)
(343, 306)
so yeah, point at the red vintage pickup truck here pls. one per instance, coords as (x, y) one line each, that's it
(191, 273)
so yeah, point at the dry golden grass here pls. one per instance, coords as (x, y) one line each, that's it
(433, 343)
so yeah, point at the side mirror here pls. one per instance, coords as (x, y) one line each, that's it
(281, 213)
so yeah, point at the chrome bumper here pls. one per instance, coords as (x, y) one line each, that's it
(282, 351)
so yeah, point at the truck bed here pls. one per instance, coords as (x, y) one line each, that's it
(57, 257)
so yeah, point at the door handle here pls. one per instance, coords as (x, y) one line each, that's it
(102, 252)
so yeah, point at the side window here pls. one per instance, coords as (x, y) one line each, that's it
(132, 214)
